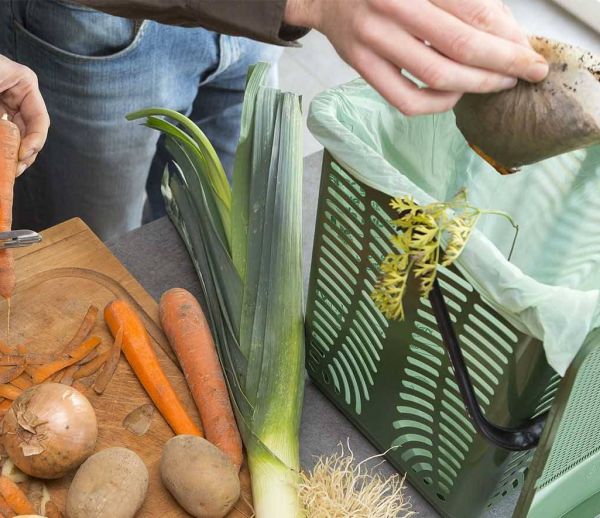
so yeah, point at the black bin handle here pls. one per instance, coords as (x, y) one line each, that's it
(524, 437)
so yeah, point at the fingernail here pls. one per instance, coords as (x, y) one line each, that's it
(537, 71)
(507, 83)
(21, 168)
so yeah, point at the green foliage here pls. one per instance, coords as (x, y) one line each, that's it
(418, 246)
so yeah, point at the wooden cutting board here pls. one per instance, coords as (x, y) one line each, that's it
(57, 280)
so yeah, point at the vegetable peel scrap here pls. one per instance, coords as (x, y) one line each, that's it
(138, 421)
(422, 231)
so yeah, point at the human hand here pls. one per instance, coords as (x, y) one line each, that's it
(453, 46)
(21, 99)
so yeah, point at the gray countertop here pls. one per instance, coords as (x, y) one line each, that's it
(156, 256)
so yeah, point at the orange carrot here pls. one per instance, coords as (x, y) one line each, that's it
(84, 330)
(39, 374)
(14, 497)
(9, 392)
(10, 141)
(110, 366)
(144, 362)
(89, 368)
(189, 334)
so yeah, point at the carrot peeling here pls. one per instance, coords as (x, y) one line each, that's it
(190, 337)
(11, 359)
(89, 368)
(23, 381)
(140, 354)
(108, 371)
(67, 375)
(5, 509)
(40, 374)
(15, 498)
(5, 406)
(84, 330)
(9, 391)
(5, 348)
(9, 374)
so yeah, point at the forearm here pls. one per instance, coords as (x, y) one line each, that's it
(261, 20)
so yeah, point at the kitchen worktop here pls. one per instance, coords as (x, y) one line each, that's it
(156, 256)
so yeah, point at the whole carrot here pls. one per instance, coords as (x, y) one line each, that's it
(188, 332)
(140, 354)
(10, 141)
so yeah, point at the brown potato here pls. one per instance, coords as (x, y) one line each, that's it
(199, 476)
(532, 122)
(112, 482)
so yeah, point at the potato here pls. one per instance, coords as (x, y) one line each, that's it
(112, 482)
(199, 476)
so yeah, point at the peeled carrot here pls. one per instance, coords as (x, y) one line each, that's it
(189, 334)
(140, 354)
(10, 141)
(15, 498)
(39, 374)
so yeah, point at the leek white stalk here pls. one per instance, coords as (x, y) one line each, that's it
(246, 247)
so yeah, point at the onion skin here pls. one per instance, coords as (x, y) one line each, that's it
(49, 430)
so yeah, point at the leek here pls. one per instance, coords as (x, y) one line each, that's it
(245, 244)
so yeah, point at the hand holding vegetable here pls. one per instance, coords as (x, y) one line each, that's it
(21, 99)
(453, 46)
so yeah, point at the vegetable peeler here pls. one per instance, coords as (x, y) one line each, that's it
(19, 238)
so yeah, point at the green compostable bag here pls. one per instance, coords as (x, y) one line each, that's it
(549, 289)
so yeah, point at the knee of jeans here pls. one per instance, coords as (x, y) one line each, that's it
(253, 51)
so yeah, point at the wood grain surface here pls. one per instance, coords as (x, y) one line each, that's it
(57, 280)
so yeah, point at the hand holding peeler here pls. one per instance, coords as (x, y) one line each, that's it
(18, 238)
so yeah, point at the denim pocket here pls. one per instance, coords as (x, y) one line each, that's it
(74, 32)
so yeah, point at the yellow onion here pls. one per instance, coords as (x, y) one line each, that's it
(49, 430)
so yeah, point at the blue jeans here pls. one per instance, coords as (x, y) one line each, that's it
(93, 69)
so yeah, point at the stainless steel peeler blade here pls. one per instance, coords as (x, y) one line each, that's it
(19, 238)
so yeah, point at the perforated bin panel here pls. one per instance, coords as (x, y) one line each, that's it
(394, 380)
(578, 435)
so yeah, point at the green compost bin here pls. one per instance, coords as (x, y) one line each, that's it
(518, 321)
(394, 381)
